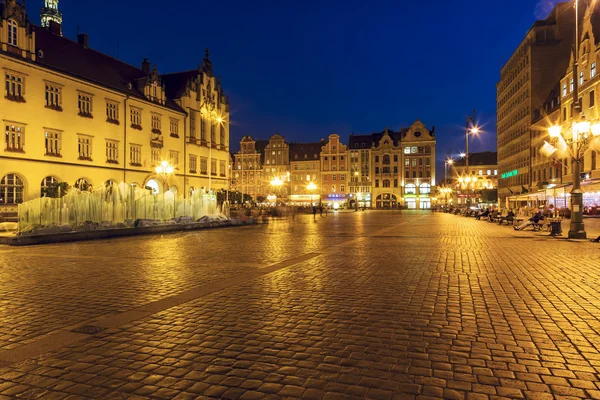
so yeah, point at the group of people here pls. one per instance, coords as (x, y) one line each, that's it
(321, 208)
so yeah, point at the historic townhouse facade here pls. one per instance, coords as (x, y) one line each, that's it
(247, 176)
(305, 172)
(359, 154)
(526, 81)
(386, 169)
(418, 160)
(276, 166)
(72, 114)
(334, 171)
(479, 183)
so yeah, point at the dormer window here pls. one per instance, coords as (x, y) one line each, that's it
(12, 33)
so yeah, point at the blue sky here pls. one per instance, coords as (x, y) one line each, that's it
(307, 69)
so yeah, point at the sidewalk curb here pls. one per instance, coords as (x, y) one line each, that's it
(31, 240)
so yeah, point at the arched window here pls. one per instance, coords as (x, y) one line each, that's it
(386, 159)
(12, 32)
(83, 184)
(425, 188)
(153, 185)
(11, 189)
(410, 189)
(386, 183)
(173, 189)
(46, 183)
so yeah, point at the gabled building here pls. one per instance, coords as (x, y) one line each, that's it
(305, 172)
(248, 170)
(334, 172)
(276, 166)
(72, 114)
(359, 154)
(478, 184)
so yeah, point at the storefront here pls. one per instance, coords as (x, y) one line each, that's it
(363, 200)
(386, 201)
(304, 200)
(335, 200)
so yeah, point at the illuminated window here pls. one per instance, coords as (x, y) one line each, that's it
(410, 189)
(593, 70)
(407, 150)
(581, 78)
(135, 155)
(571, 85)
(564, 91)
(11, 189)
(156, 123)
(425, 188)
(52, 142)
(14, 138)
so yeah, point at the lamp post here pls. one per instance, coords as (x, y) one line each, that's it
(276, 183)
(356, 175)
(164, 170)
(311, 187)
(574, 142)
(447, 164)
(470, 129)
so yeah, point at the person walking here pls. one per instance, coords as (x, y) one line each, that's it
(315, 213)
(321, 210)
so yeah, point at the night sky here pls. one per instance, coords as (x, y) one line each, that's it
(309, 68)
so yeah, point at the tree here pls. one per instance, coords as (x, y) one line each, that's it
(56, 190)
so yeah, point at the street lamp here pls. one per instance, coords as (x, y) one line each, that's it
(312, 188)
(277, 183)
(448, 164)
(164, 170)
(574, 143)
(470, 129)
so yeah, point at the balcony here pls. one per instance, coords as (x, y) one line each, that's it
(156, 141)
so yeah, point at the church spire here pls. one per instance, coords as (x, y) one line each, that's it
(50, 15)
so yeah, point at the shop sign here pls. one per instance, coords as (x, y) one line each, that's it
(508, 174)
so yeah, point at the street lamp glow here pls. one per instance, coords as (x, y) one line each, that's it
(219, 119)
(595, 129)
(449, 161)
(276, 181)
(164, 168)
(554, 131)
(311, 186)
(463, 155)
(474, 130)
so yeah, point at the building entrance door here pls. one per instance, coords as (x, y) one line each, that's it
(386, 201)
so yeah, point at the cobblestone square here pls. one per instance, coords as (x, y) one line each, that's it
(377, 305)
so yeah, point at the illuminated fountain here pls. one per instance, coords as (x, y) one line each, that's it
(114, 205)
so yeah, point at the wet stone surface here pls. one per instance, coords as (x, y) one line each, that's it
(379, 305)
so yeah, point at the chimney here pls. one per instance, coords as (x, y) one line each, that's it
(82, 39)
(146, 66)
(55, 27)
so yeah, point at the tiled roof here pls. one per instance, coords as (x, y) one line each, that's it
(356, 142)
(64, 55)
(299, 150)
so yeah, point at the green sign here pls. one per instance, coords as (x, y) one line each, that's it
(508, 174)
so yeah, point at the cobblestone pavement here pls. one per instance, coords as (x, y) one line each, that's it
(380, 305)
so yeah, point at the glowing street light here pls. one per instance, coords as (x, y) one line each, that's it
(164, 169)
(312, 187)
(574, 143)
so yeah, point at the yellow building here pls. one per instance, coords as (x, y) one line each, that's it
(276, 167)
(305, 172)
(334, 172)
(248, 170)
(72, 114)
(359, 154)
(526, 81)
(479, 182)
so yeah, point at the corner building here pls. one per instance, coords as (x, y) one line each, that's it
(526, 81)
(72, 114)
